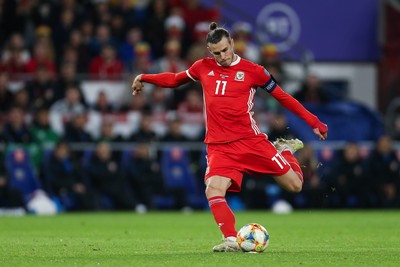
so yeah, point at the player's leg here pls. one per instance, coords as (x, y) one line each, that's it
(216, 187)
(291, 181)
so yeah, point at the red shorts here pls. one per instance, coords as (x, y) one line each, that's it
(255, 156)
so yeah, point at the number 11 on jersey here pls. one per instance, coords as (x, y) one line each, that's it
(219, 85)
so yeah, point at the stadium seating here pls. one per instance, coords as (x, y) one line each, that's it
(177, 173)
(343, 118)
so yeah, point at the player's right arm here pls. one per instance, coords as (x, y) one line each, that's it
(165, 79)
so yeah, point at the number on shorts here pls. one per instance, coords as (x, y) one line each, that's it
(279, 160)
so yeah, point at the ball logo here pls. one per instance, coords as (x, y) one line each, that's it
(279, 24)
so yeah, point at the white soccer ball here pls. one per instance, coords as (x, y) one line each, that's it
(253, 237)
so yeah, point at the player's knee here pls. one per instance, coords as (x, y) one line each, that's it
(295, 187)
(213, 190)
(217, 186)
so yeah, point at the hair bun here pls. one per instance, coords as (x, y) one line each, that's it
(213, 26)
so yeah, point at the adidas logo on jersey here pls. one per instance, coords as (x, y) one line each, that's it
(211, 73)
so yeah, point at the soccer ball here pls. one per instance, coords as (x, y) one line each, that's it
(253, 237)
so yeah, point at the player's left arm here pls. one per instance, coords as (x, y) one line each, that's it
(289, 102)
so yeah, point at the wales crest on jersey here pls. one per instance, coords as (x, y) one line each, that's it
(239, 76)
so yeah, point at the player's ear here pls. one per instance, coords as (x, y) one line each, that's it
(232, 43)
(209, 50)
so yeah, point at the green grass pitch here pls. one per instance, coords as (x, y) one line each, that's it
(307, 238)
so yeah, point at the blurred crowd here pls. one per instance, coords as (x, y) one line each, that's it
(354, 176)
(52, 47)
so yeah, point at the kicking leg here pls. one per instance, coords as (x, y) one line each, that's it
(291, 181)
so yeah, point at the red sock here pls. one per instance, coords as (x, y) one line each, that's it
(223, 215)
(293, 163)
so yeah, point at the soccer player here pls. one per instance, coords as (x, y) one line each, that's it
(235, 144)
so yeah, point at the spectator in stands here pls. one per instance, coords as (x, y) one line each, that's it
(175, 29)
(270, 57)
(155, 34)
(107, 133)
(159, 103)
(70, 104)
(311, 91)
(87, 28)
(71, 5)
(107, 178)
(146, 179)
(279, 128)
(101, 13)
(242, 31)
(102, 38)
(42, 132)
(198, 47)
(77, 42)
(42, 88)
(240, 48)
(9, 197)
(126, 9)
(67, 77)
(15, 55)
(126, 50)
(117, 27)
(102, 104)
(171, 61)
(14, 65)
(66, 180)
(349, 178)
(70, 55)
(21, 100)
(63, 28)
(190, 113)
(43, 53)
(16, 42)
(194, 12)
(6, 96)
(16, 130)
(159, 106)
(107, 65)
(191, 109)
(43, 13)
(145, 132)
(75, 131)
(136, 105)
(143, 60)
(174, 133)
(383, 171)
(143, 173)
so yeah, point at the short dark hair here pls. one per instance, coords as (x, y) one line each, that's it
(216, 34)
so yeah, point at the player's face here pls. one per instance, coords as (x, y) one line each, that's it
(222, 51)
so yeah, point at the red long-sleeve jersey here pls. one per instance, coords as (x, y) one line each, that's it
(229, 96)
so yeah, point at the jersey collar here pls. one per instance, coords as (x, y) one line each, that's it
(233, 63)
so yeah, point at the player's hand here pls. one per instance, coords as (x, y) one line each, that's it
(321, 130)
(137, 85)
